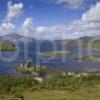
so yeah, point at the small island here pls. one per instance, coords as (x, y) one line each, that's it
(90, 58)
(28, 69)
(7, 46)
(56, 53)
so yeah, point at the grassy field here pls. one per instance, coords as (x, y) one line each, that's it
(54, 95)
(60, 95)
(59, 87)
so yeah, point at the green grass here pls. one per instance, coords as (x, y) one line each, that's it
(58, 87)
(53, 95)
(58, 95)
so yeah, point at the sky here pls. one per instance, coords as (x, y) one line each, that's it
(50, 19)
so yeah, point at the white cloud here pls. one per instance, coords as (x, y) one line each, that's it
(7, 28)
(93, 14)
(41, 29)
(52, 32)
(88, 25)
(14, 10)
(26, 27)
(52, 29)
(70, 3)
(90, 22)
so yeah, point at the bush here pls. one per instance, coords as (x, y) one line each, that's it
(19, 95)
(34, 88)
(13, 84)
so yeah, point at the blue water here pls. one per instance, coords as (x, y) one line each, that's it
(65, 63)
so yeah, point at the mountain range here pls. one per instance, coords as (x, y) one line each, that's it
(20, 38)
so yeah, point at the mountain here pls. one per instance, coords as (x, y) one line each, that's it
(19, 38)
(86, 38)
(15, 37)
(83, 41)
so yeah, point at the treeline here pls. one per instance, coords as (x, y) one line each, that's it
(56, 82)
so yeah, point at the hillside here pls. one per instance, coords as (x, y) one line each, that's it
(6, 46)
(85, 41)
(15, 37)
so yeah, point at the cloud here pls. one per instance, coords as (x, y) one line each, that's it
(93, 14)
(74, 4)
(26, 27)
(41, 29)
(90, 22)
(14, 10)
(7, 28)
(60, 31)
(88, 25)
(51, 29)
